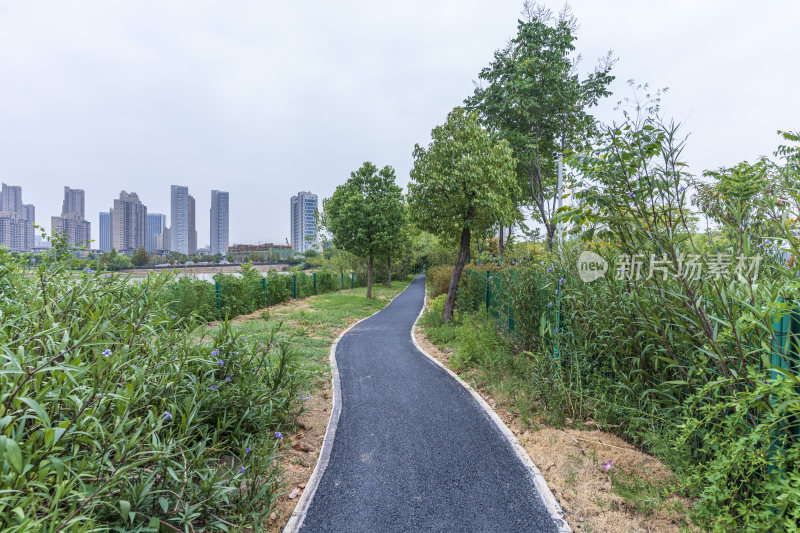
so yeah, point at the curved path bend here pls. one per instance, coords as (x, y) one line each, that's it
(413, 450)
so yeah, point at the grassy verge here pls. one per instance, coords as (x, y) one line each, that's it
(634, 492)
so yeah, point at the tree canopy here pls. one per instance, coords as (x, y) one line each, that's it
(365, 215)
(533, 96)
(462, 184)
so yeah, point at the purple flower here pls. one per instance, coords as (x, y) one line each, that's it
(215, 352)
(221, 363)
(549, 304)
(561, 281)
(167, 416)
(630, 194)
(208, 327)
(550, 269)
(228, 378)
(242, 469)
(213, 387)
(608, 466)
(760, 246)
(107, 276)
(89, 270)
(556, 291)
(106, 352)
(308, 399)
(247, 450)
(173, 316)
(278, 435)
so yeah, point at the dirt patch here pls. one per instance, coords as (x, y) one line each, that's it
(274, 310)
(572, 460)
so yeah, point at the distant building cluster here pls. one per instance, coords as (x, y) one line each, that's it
(16, 220)
(127, 226)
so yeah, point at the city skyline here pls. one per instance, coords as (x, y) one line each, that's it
(178, 93)
(126, 225)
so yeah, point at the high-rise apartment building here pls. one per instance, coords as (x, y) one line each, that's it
(303, 221)
(156, 223)
(192, 227)
(29, 212)
(74, 200)
(128, 223)
(179, 219)
(219, 222)
(16, 220)
(71, 224)
(105, 231)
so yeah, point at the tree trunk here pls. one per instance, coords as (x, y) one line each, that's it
(389, 271)
(450, 302)
(500, 242)
(369, 277)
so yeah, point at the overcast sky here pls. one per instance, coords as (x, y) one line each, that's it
(263, 99)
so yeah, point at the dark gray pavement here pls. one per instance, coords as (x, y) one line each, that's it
(413, 450)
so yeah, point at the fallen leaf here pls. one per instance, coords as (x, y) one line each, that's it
(295, 493)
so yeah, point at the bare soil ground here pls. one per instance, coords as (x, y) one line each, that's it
(571, 461)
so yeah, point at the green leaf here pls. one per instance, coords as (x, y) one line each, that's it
(124, 508)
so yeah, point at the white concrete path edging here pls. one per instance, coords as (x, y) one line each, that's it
(549, 500)
(301, 509)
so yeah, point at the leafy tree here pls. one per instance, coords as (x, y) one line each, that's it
(733, 197)
(119, 261)
(462, 184)
(365, 214)
(534, 98)
(140, 257)
(311, 253)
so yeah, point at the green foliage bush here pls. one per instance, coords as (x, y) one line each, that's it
(438, 279)
(437, 304)
(117, 414)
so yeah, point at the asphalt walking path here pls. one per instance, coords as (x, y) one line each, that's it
(413, 450)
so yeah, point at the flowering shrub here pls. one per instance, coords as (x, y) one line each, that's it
(118, 413)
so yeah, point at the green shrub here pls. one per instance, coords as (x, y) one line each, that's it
(118, 414)
(437, 304)
(438, 279)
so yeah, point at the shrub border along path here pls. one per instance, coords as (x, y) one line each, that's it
(540, 508)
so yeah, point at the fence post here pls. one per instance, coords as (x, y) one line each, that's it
(487, 292)
(218, 290)
(341, 285)
(294, 286)
(264, 287)
(557, 331)
(511, 322)
(352, 280)
(315, 283)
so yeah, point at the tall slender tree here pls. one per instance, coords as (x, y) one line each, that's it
(462, 184)
(366, 214)
(533, 96)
